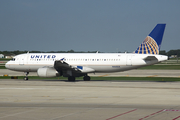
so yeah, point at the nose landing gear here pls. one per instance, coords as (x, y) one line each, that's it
(26, 78)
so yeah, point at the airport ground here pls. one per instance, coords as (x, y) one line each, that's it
(39, 99)
(88, 100)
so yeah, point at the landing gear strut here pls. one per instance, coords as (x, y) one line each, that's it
(26, 78)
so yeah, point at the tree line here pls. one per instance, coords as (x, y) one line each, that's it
(8, 53)
(17, 52)
(170, 52)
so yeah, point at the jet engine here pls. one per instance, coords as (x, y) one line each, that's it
(47, 72)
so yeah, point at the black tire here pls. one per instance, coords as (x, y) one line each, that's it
(86, 78)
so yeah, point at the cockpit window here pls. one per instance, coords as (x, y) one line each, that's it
(13, 59)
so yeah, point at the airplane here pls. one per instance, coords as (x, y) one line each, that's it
(73, 65)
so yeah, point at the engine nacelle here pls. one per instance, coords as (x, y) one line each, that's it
(47, 72)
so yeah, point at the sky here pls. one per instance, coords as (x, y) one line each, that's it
(86, 25)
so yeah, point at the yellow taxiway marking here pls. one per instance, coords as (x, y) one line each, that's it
(104, 75)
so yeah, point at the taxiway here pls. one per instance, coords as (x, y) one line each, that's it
(92, 100)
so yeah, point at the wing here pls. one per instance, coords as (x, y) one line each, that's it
(63, 66)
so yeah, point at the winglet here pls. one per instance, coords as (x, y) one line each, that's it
(152, 43)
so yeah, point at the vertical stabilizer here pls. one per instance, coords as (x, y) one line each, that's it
(152, 43)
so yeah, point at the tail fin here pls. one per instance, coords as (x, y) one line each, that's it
(152, 43)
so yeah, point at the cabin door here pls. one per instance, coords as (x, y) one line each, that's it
(129, 60)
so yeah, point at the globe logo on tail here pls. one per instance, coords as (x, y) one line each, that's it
(148, 46)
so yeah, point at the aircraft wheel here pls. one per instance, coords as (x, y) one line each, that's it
(86, 78)
(25, 78)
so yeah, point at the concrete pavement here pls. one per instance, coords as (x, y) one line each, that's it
(92, 100)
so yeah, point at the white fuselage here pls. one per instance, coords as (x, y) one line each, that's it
(98, 62)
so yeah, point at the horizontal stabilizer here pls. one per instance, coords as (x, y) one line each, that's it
(150, 58)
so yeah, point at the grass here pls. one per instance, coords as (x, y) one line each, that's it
(2, 67)
(164, 67)
(5, 59)
(155, 79)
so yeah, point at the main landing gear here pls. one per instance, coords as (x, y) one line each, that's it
(85, 78)
(26, 78)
